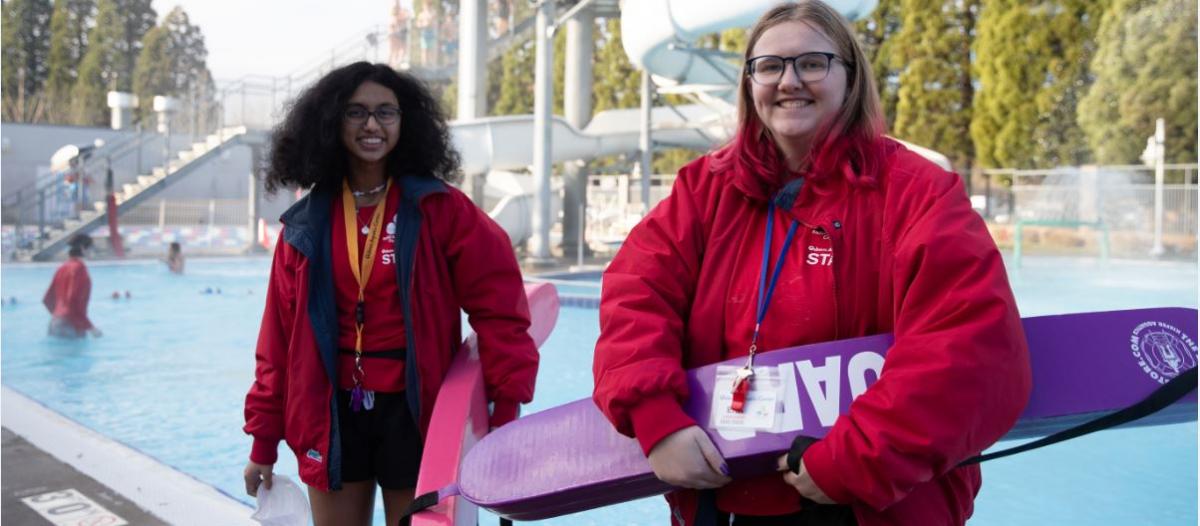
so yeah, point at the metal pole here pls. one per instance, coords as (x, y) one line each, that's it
(539, 242)
(577, 108)
(472, 71)
(579, 238)
(472, 76)
(645, 142)
(1160, 152)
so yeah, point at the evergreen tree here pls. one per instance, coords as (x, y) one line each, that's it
(517, 75)
(1145, 68)
(1029, 63)
(113, 47)
(618, 84)
(1071, 46)
(516, 80)
(876, 35)
(559, 70)
(172, 62)
(68, 43)
(931, 54)
(25, 46)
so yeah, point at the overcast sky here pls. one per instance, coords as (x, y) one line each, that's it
(277, 37)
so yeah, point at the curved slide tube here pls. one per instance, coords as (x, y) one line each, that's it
(656, 35)
(505, 143)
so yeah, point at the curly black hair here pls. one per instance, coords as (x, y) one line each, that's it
(307, 150)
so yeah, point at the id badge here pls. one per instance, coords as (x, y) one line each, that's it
(761, 406)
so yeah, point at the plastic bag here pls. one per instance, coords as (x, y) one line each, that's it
(283, 505)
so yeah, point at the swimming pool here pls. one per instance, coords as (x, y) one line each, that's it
(169, 377)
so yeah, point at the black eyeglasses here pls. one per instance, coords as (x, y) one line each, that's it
(358, 114)
(768, 70)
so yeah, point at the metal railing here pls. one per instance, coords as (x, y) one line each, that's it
(614, 203)
(64, 195)
(1122, 197)
(188, 212)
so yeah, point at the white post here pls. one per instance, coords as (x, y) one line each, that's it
(122, 105)
(579, 237)
(472, 76)
(577, 108)
(1160, 152)
(539, 242)
(166, 108)
(472, 71)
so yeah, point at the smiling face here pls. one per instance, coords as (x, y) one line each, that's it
(369, 142)
(793, 110)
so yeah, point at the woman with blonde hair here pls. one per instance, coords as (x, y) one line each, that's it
(811, 226)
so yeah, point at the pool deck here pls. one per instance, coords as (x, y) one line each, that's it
(33, 473)
(46, 455)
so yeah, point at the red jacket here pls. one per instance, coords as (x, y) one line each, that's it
(68, 295)
(450, 256)
(909, 256)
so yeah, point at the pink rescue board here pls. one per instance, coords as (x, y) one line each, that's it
(460, 416)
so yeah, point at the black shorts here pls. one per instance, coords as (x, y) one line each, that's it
(382, 444)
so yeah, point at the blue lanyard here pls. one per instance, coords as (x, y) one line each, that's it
(764, 296)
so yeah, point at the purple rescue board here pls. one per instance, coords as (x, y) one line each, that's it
(569, 458)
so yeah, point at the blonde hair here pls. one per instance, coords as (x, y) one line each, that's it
(855, 133)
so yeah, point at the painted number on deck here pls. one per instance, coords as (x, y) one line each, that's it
(71, 508)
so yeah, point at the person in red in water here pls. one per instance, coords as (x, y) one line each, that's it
(812, 226)
(371, 272)
(69, 292)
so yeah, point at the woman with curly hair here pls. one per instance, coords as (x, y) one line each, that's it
(371, 272)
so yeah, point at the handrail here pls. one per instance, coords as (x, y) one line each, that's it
(95, 159)
(52, 178)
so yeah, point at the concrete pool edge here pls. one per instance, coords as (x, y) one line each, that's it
(165, 492)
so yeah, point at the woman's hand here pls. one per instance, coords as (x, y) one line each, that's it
(803, 483)
(254, 474)
(688, 459)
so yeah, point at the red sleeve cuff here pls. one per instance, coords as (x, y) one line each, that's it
(819, 464)
(655, 418)
(264, 451)
(503, 412)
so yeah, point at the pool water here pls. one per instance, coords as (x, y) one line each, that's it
(169, 376)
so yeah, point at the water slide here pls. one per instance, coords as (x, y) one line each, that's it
(657, 36)
(497, 145)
